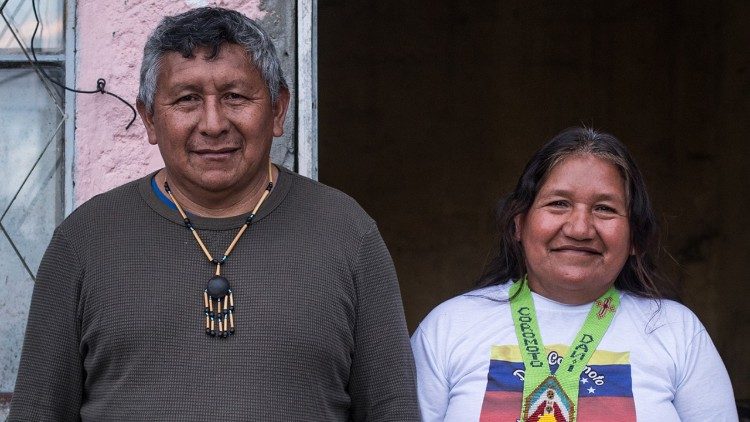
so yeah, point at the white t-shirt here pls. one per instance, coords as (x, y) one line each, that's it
(655, 363)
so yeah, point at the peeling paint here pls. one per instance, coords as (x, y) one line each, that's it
(196, 3)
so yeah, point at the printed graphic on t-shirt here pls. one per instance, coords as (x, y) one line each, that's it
(605, 390)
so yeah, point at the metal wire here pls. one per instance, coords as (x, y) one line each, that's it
(101, 83)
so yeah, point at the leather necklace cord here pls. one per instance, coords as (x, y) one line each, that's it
(218, 288)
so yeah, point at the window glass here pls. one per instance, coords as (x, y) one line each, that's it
(30, 159)
(20, 15)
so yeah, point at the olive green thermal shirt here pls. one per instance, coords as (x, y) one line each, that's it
(116, 326)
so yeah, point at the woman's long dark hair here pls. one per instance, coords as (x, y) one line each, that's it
(639, 275)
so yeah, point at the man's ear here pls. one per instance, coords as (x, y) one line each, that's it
(148, 120)
(279, 111)
(518, 221)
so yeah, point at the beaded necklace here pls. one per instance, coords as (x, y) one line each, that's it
(218, 290)
(548, 396)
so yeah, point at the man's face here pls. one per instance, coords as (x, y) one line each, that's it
(213, 120)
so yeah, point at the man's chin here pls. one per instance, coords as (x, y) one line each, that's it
(215, 179)
(209, 180)
(217, 183)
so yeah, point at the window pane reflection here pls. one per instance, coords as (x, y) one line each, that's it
(19, 13)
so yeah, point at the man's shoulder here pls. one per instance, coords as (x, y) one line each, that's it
(115, 203)
(325, 202)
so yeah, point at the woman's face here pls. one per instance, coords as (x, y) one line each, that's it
(576, 235)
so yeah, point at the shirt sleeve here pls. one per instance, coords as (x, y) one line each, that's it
(382, 378)
(704, 391)
(433, 390)
(49, 386)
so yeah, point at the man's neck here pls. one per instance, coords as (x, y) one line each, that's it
(221, 204)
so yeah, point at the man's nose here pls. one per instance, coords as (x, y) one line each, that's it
(213, 122)
(579, 225)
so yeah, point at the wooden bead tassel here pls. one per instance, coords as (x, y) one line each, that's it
(231, 313)
(219, 317)
(211, 331)
(206, 310)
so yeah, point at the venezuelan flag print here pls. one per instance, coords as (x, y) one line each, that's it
(605, 390)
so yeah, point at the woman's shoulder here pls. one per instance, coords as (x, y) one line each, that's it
(465, 310)
(658, 314)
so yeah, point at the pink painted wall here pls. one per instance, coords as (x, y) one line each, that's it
(110, 37)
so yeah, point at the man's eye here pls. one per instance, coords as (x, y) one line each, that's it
(187, 98)
(234, 96)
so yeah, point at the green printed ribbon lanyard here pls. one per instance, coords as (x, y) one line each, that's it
(545, 394)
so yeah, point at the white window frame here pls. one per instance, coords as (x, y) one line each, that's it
(307, 88)
(70, 107)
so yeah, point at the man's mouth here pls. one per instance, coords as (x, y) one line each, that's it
(215, 153)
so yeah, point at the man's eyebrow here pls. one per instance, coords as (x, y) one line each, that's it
(186, 86)
(239, 82)
(193, 87)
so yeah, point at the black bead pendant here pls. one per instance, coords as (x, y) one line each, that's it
(217, 287)
(218, 304)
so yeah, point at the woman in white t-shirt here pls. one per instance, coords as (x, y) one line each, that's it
(571, 320)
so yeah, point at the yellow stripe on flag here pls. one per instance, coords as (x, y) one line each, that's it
(511, 353)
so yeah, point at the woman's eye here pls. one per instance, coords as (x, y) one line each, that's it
(558, 204)
(605, 208)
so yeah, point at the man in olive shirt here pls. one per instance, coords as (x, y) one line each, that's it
(220, 287)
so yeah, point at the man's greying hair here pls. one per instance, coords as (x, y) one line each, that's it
(208, 27)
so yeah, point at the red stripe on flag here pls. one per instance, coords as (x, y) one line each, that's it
(500, 406)
(606, 409)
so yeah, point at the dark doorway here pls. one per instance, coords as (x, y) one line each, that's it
(429, 109)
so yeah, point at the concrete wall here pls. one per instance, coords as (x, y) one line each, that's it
(110, 39)
(429, 112)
